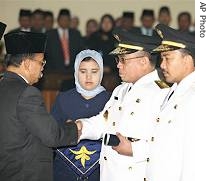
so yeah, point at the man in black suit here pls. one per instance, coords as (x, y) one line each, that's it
(24, 21)
(27, 131)
(37, 21)
(60, 54)
(127, 25)
(147, 21)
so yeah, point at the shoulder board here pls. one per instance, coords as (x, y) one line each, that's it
(162, 84)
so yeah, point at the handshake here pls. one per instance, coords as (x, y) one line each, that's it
(79, 126)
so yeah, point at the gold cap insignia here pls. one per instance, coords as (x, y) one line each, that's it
(159, 33)
(120, 51)
(164, 48)
(117, 37)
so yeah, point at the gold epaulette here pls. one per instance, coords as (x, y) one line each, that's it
(162, 84)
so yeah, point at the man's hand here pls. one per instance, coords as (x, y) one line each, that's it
(79, 127)
(124, 148)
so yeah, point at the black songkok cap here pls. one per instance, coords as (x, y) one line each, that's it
(147, 12)
(128, 14)
(174, 39)
(130, 43)
(2, 29)
(64, 12)
(25, 42)
(24, 12)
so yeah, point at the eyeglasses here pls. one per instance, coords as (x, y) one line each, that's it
(41, 62)
(123, 59)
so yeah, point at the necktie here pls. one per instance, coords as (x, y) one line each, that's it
(65, 47)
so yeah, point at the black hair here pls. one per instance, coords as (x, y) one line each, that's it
(184, 14)
(164, 9)
(64, 12)
(152, 57)
(185, 52)
(48, 13)
(16, 60)
(86, 59)
(38, 12)
(110, 17)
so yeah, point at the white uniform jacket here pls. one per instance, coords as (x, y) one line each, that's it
(171, 154)
(131, 113)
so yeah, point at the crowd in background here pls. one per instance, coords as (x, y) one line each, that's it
(65, 40)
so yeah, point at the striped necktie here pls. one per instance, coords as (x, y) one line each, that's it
(65, 47)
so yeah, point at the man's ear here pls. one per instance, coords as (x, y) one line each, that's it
(188, 60)
(144, 60)
(25, 63)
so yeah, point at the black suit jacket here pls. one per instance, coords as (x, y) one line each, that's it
(15, 30)
(138, 31)
(54, 53)
(27, 132)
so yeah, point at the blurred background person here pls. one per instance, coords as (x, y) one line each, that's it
(128, 19)
(24, 21)
(48, 20)
(74, 23)
(164, 15)
(86, 100)
(118, 22)
(103, 41)
(63, 45)
(147, 20)
(37, 21)
(127, 22)
(184, 21)
(90, 28)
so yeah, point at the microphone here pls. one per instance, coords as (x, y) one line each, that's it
(111, 140)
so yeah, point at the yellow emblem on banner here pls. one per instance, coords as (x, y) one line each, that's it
(83, 154)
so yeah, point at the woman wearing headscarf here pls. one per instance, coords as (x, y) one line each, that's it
(81, 162)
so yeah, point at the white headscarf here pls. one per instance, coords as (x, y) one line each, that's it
(98, 58)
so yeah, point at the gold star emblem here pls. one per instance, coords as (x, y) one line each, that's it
(83, 154)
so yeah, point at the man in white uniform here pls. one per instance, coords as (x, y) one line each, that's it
(131, 111)
(171, 153)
